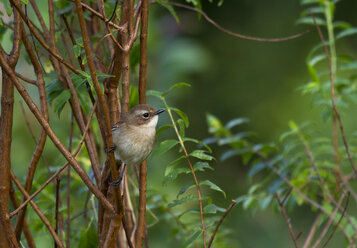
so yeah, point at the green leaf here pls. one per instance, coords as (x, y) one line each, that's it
(178, 85)
(212, 209)
(89, 238)
(181, 124)
(304, 2)
(134, 56)
(213, 187)
(165, 146)
(169, 177)
(85, 74)
(174, 163)
(347, 32)
(25, 1)
(200, 154)
(170, 9)
(309, 20)
(77, 51)
(163, 128)
(177, 202)
(156, 93)
(64, 7)
(317, 58)
(183, 116)
(192, 238)
(215, 126)
(79, 42)
(61, 100)
(101, 75)
(257, 168)
(293, 126)
(201, 166)
(184, 189)
(235, 122)
(198, 142)
(7, 7)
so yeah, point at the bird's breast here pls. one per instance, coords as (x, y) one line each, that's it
(134, 144)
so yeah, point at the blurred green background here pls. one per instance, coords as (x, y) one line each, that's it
(230, 78)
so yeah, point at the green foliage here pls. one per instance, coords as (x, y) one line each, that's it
(304, 164)
(89, 237)
(59, 96)
(342, 66)
(186, 201)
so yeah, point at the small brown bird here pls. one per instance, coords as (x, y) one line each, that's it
(134, 135)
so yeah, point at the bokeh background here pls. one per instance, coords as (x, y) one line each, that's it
(230, 78)
(233, 77)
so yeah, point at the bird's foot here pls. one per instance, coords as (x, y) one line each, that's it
(110, 149)
(117, 183)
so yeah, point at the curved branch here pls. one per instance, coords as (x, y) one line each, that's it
(13, 213)
(334, 107)
(242, 36)
(85, 178)
(220, 222)
(38, 37)
(38, 211)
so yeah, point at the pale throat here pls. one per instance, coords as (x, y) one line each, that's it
(152, 123)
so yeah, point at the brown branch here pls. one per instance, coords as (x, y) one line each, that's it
(129, 220)
(337, 114)
(40, 145)
(125, 66)
(80, 118)
(100, 16)
(37, 11)
(38, 211)
(58, 181)
(339, 221)
(220, 222)
(26, 229)
(71, 36)
(140, 231)
(193, 174)
(246, 37)
(312, 232)
(53, 136)
(68, 236)
(25, 79)
(60, 170)
(76, 108)
(52, 23)
(331, 219)
(287, 220)
(117, 219)
(7, 235)
(302, 195)
(107, 27)
(31, 27)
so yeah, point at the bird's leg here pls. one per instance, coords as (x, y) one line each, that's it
(110, 149)
(117, 183)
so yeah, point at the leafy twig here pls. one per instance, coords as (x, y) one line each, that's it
(333, 97)
(287, 220)
(60, 170)
(192, 170)
(339, 221)
(220, 222)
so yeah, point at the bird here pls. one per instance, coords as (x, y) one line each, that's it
(134, 136)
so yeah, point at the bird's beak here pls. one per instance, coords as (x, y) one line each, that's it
(159, 111)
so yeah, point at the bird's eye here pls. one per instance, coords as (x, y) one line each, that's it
(146, 115)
